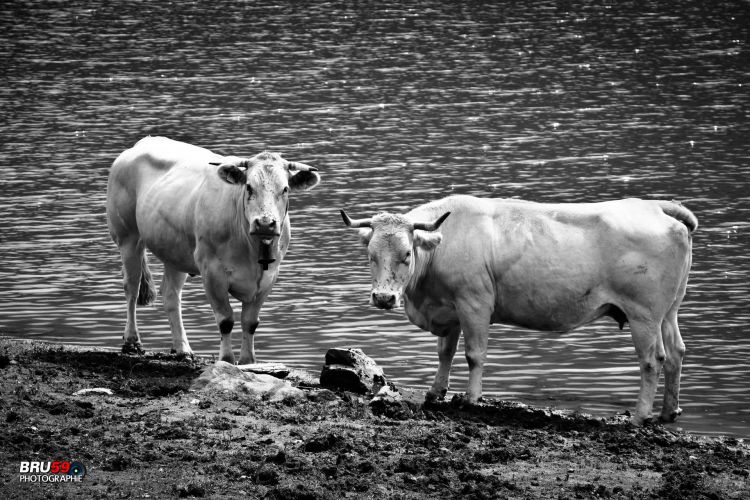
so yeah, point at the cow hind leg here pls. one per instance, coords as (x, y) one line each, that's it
(139, 290)
(675, 351)
(446, 347)
(171, 291)
(650, 350)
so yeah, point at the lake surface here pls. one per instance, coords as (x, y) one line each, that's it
(397, 106)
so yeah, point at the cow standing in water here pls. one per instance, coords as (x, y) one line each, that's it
(225, 218)
(551, 267)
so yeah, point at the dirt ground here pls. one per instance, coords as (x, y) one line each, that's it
(153, 438)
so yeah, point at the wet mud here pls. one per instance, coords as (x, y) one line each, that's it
(154, 438)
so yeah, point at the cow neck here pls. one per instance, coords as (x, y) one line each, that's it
(422, 260)
(240, 221)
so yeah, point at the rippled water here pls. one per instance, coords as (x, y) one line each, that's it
(549, 101)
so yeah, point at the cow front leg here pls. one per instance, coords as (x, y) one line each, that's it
(250, 321)
(216, 289)
(650, 349)
(446, 347)
(475, 325)
(171, 290)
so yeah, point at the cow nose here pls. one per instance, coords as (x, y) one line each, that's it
(384, 300)
(265, 225)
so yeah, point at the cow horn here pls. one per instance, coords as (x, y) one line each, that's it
(431, 226)
(357, 222)
(231, 160)
(295, 165)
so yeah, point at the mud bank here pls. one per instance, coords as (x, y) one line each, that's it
(154, 438)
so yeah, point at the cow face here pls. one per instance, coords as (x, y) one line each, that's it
(267, 179)
(392, 243)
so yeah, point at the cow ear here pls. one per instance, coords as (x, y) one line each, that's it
(304, 179)
(365, 235)
(427, 240)
(232, 174)
(302, 176)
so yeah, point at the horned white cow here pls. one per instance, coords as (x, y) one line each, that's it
(223, 217)
(551, 267)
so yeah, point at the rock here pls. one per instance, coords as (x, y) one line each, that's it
(389, 403)
(226, 377)
(350, 369)
(275, 369)
(387, 394)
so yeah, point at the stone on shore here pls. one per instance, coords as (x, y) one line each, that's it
(351, 370)
(226, 377)
(390, 403)
(278, 370)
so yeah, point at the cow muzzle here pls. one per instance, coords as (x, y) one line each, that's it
(266, 229)
(384, 300)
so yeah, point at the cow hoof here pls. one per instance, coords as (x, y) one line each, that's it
(461, 400)
(671, 416)
(133, 348)
(640, 420)
(433, 396)
(182, 355)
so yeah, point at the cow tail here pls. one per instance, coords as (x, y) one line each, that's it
(678, 211)
(146, 290)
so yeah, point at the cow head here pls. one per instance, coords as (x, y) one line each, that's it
(392, 242)
(267, 179)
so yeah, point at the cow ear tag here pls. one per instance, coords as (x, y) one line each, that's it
(265, 256)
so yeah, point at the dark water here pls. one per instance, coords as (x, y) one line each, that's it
(548, 101)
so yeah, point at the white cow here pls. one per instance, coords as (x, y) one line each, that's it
(551, 267)
(225, 218)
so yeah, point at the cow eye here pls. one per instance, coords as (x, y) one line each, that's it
(285, 190)
(407, 257)
(249, 189)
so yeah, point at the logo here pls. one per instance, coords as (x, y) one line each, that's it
(52, 472)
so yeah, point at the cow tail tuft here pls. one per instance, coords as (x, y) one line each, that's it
(681, 213)
(146, 290)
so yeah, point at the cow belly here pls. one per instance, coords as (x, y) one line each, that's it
(549, 312)
(175, 253)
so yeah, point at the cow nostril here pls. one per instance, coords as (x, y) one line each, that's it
(265, 226)
(384, 300)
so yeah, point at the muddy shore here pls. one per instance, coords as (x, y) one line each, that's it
(153, 438)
